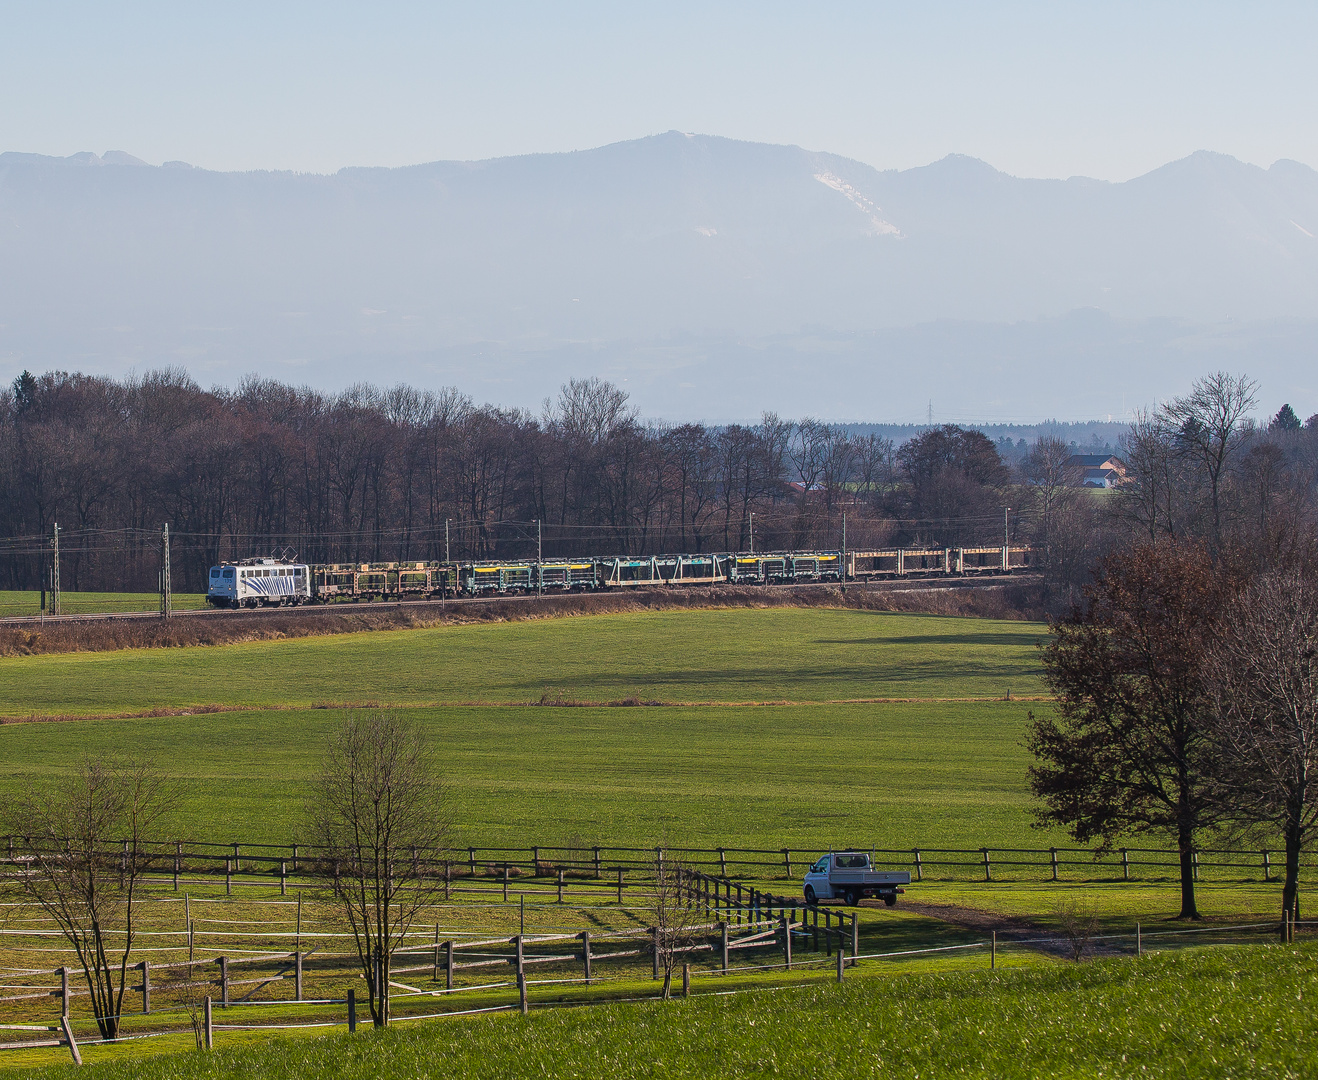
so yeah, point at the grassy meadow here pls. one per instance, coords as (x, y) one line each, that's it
(779, 654)
(821, 764)
(28, 602)
(775, 727)
(1226, 1013)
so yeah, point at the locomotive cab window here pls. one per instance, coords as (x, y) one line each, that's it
(228, 572)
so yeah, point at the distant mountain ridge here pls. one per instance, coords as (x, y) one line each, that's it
(666, 262)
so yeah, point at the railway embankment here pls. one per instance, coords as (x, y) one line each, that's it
(984, 597)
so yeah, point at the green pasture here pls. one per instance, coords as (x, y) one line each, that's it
(786, 654)
(1229, 1012)
(928, 771)
(28, 602)
(892, 775)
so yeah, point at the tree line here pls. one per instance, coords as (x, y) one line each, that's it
(377, 475)
(382, 475)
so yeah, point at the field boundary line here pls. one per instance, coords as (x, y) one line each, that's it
(625, 703)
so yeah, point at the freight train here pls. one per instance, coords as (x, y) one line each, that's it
(259, 582)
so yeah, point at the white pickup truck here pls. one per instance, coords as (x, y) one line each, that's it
(850, 875)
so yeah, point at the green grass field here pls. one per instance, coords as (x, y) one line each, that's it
(803, 728)
(20, 602)
(787, 654)
(925, 772)
(1225, 1013)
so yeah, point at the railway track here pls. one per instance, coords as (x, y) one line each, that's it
(911, 585)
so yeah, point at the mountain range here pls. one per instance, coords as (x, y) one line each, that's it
(710, 277)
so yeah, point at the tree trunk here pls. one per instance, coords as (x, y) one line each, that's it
(1290, 890)
(668, 981)
(1185, 843)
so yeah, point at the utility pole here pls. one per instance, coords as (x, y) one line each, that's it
(752, 531)
(539, 558)
(842, 571)
(1006, 534)
(446, 555)
(166, 591)
(54, 576)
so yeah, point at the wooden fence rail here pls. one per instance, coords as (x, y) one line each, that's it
(238, 861)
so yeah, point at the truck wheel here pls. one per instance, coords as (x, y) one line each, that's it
(810, 897)
(853, 898)
(890, 899)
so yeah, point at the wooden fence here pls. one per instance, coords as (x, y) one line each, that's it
(496, 868)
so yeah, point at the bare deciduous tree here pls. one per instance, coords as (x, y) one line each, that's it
(1051, 489)
(1264, 671)
(1210, 425)
(82, 851)
(1078, 921)
(378, 812)
(676, 915)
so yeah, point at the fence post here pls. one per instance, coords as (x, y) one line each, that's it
(585, 953)
(723, 862)
(686, 979)
(67, 1028)
(620, 884)
(64, 991)
(471, 860)
(352, 1010)
(210, 1026)
(787, 943)
(223, 961)
(560, 886)
(521, 992)
(919, 868)
(1125, 865)
(597, 862)
(236, 864)
(855, 936)
(283, 878)
(505, 883)
(1267, 866)
(145, 965)
(841, 965)
(178, 858)
(987, 873)
(297, 976)
(787, 860)
(448, 878)
(1053, 854)
(448, 965)
(228, 878)
(1194, 860)
(723, 928)
(295, 858)
(535, 862)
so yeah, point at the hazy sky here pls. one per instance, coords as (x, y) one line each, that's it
(1107, 89)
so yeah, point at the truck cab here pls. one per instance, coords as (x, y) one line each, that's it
(850, 876)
